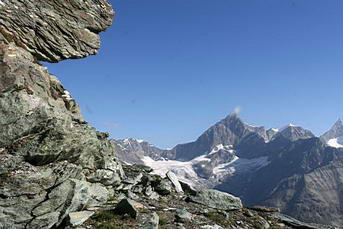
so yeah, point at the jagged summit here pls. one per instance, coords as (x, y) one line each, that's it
(293, 133)
(229, 131)
(334, 137)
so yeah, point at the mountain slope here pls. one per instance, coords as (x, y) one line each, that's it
(304, 180)
(289, 168)
(229, 131)
(133, 151)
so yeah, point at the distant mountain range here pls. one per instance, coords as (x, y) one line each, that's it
(289, 168)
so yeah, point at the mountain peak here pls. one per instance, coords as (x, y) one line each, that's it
(294, 132)
(336, 131)
(290, 125)
(338, 124)
(233, 115)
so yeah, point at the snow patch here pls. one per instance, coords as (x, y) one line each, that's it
(289, 125)
(219, 147)
(66, 95)
(241, 165)
(140, 140)
(222, 167)
(335, 142)
(183, 169)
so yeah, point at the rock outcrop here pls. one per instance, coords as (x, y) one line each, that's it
(137, 205)
(51, 162)
(55, 30)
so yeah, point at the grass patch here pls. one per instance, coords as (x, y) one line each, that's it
(162, 222)
(108, 220)
(104, 215)
(218, 219)
(113, 199)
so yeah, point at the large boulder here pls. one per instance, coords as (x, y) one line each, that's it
(128, 206)
(216, 199)
(173, 178)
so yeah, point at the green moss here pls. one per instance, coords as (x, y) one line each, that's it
(162, 221)
(113, 198)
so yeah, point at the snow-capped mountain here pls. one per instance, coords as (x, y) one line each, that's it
(231, 131)
(293, 133)
(290, 168)
(334, 137)
(133, 151)
(229, 147)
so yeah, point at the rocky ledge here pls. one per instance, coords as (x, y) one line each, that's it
(56, 29)
(56, 171)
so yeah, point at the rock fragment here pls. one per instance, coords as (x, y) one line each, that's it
(128, 206)
(78, 218)
(149, 220)
(172, 177)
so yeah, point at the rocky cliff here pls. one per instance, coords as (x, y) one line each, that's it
(52, 162)
(56, 171)
(55, 30)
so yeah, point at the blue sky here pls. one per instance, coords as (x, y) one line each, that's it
(169, 69)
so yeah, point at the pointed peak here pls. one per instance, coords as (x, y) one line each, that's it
(338, 126)
(290, 125)
(338, 123)
(233, 116)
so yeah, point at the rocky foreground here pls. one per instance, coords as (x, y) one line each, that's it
(56, 171)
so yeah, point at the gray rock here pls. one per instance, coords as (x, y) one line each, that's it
(52, 162)
(211, 227)
(128, 206)
(149, 220)
(78, 218)
(151, 194)
(99, 195)
(263, 224)
(216, 199)
(172, 177)
(164, 187)
(289, 221)
(50, 32)
(188, 189)
(182, 215)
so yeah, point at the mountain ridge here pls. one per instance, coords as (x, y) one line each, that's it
(232, 153)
